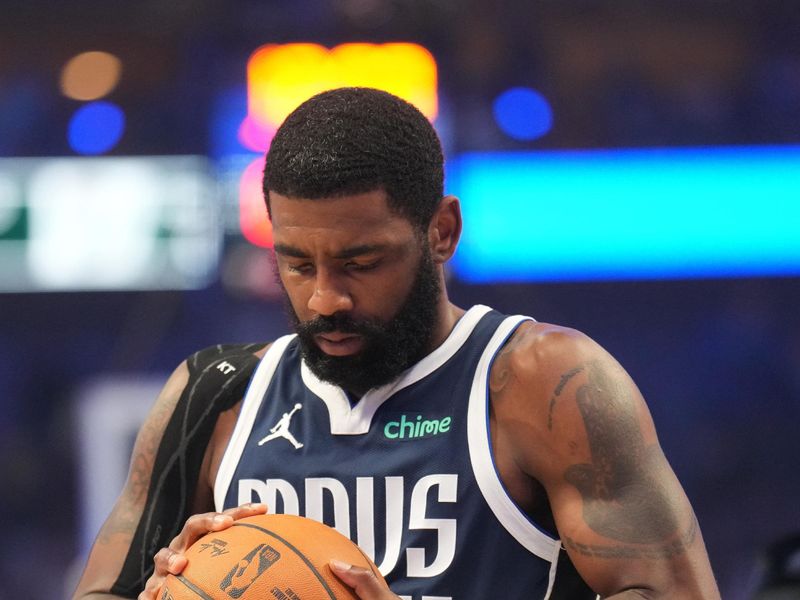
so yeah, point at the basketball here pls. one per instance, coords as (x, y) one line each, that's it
(267, 557)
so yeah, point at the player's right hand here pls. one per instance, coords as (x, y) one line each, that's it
(172, 560)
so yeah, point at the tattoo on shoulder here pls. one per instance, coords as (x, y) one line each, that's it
(623, 499)
(501, 369)
(557, 392)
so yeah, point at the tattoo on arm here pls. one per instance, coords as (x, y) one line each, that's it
(667, 550)
(623, 498)
(128, 512)
(501, 369)
(560, 388)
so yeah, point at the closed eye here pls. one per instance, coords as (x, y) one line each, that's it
(354, 266)
(303, 269)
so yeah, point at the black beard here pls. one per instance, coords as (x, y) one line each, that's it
(390, 347)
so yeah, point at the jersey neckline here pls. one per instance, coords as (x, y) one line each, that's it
(349, 419)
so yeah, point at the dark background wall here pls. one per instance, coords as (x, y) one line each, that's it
(718, 360)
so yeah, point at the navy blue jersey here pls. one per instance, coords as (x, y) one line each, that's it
(407, 472)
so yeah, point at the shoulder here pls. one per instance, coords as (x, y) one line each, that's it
(219, 374)
(202, 372)
(219, 360)
(214, 355)
(548, 380)
(538, 354)
(202, 365)
(207, 387)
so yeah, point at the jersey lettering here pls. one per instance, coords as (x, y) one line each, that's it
(446, 528)
(225, 367)
(409, 429)
(315, 487)
(321, 492)
(269, 492)
(365, 502)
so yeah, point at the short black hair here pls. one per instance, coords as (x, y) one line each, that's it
(355, 140)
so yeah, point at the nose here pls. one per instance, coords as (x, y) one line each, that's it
(329, 296)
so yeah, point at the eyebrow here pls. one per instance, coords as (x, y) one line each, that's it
(286, 250)
(352, 252)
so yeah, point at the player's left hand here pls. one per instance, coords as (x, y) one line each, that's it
(363, 581)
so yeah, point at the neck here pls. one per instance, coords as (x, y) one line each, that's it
(448, 315)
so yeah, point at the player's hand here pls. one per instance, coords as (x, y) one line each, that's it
(363, 581)
(172, 560)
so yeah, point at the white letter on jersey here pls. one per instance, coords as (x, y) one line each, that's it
(341, 504)
(448, 485)
(365, 514)
(255, 490)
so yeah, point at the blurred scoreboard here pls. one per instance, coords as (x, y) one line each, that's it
(129, 223)
(642, 213)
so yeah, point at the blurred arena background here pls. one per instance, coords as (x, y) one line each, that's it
(630, 168)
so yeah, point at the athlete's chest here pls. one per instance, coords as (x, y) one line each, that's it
(392, 473)
(300, 433)
(407, 472)
(293, 424)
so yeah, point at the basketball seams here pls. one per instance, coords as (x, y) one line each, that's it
(193, 587)
(297, 551)
(272, 533)
(370, 564)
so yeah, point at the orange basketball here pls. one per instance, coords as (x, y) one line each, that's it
(267, 557)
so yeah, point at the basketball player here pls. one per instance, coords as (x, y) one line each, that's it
(472, 454)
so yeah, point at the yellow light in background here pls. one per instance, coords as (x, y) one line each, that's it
(281, 77)
(90, 75)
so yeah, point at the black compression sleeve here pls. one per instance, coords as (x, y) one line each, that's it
(218, 378)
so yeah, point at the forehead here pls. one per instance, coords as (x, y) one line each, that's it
(357, 216)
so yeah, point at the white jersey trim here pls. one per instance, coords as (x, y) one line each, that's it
(551, 578)
(502, 505)
(356, 420)
(247, 416)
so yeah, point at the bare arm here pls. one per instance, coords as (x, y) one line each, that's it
(575, 421)
(172, 469)
(566, 414)
(113, 542)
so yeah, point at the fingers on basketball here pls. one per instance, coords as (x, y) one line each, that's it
(267, 556)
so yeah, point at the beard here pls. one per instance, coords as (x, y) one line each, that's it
(390, 346)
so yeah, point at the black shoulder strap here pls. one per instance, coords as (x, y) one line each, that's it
(218, 379)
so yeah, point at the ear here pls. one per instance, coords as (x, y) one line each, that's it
(444, 230)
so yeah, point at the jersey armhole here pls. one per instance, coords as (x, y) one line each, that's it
(512, 518)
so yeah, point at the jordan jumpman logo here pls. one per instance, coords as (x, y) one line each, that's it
(281, 429)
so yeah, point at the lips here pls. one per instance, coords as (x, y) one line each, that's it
(335, 343)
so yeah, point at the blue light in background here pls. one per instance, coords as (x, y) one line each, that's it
(523, 113)
(628, 214)
(228, 111)
(95, 128)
